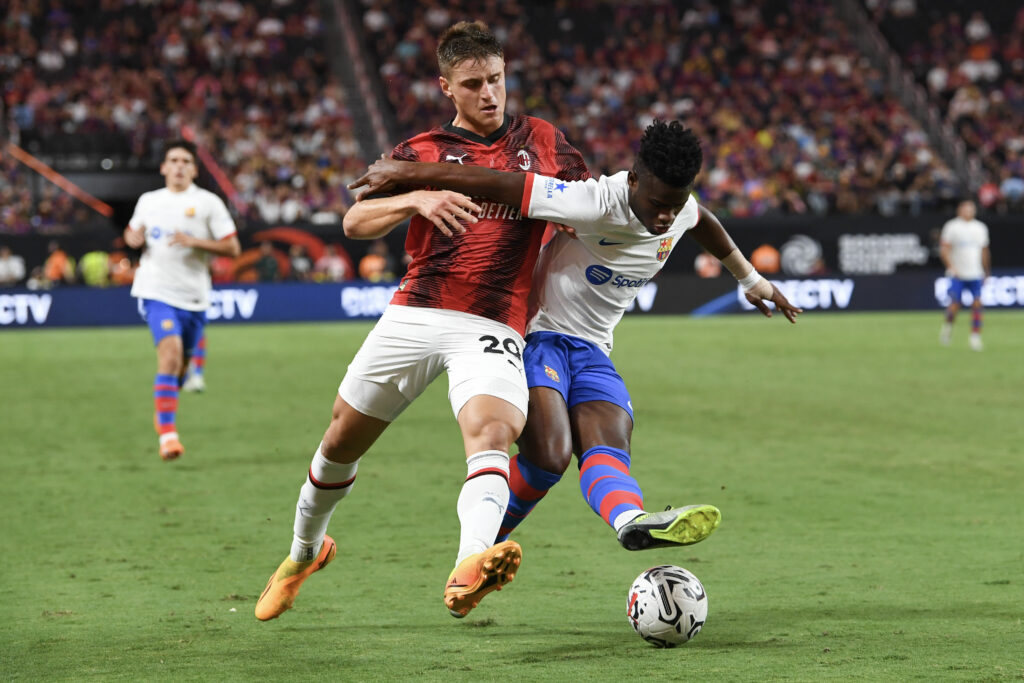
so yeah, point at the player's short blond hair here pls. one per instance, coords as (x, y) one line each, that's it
(466, 40)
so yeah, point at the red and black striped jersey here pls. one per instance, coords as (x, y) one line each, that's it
(486, 270)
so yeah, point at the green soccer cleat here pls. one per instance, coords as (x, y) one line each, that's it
(675, 526)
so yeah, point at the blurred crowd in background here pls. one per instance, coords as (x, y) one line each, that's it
(121, 77)
(793, 117)
(970, 58)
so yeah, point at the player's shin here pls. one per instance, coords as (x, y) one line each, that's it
(527, 484)
(165, 403)
(326, 484)
(607, 486)
(198, 364)
(482, 501)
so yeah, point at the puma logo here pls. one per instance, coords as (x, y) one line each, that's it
(452, 157)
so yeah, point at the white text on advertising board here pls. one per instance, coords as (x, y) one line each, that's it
(228, 304)
(876, 254)
(366, 302)
(1005, 290)
(810, 294)
(15, 309)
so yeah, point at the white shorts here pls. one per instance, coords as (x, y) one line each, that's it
(410, 346)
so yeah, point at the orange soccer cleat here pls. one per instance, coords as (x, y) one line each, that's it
(479, 574)
(283, 586)
(171, 449)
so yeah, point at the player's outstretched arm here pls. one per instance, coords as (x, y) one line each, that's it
(710, 234)
(373, 218)
(388, 175)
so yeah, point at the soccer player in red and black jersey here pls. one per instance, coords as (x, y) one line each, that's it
(460, 309)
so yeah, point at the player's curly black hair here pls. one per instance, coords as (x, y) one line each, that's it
(671, 152)
(466, 40)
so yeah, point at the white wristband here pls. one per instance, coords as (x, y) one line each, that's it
(750, 281)
(760, 287)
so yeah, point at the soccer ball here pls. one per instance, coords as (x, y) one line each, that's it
(667, 605)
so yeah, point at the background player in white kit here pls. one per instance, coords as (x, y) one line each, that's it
(624, 227)
(179, 225)
(965, 253)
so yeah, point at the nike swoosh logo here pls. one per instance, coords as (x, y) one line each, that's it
(606, 243)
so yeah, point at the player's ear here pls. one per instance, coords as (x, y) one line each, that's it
(446, 87)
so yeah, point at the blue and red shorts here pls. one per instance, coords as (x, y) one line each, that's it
(576, 368)
(165, 320)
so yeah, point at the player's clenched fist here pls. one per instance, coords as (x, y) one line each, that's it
(135, 238)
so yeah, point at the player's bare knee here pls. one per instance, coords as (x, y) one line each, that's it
(494, 435)
(336, 447)
(553, 460)
(170, 365)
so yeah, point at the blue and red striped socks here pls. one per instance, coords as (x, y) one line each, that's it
(165, 401)
(607, 486)
(976, 321)
(527, 484)
(199, 356)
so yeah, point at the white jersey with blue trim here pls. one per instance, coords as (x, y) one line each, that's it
(583, 286)
(967, 241)
(176, 275)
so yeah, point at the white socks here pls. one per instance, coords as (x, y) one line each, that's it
(482, 501)
(327, 483)
(624, 518)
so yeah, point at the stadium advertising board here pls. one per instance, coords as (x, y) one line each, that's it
(668, 294)
(855, 245)
(284, 302)
(672, 294)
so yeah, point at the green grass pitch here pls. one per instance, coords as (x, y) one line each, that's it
(871, 484)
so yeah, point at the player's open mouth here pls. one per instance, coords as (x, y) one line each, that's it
(489, 109)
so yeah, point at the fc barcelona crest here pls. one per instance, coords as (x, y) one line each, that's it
(190, 212)
(665, 248)
(552, 373)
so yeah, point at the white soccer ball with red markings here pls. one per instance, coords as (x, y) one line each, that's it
(667, 605)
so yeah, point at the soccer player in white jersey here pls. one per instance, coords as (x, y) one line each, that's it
(621, 230)
(965, 253)
(179, 226)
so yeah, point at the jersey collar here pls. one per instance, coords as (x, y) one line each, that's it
(480, 139)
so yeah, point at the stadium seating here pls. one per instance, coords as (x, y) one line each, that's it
(970, 58)
(791, 119)
(251, 79)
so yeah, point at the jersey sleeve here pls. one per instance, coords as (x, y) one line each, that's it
(221, 223)
(578, 203)
(137, 221)
(947, 228)
(984, 235)
(404, 151)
